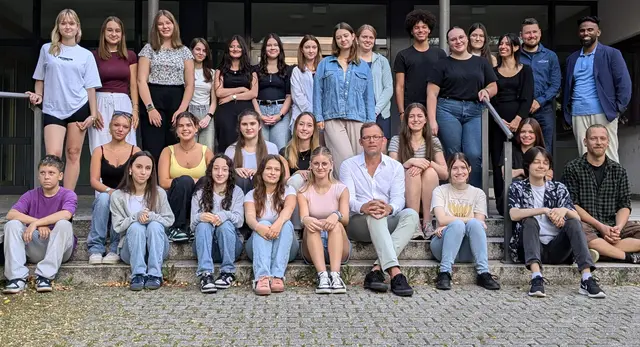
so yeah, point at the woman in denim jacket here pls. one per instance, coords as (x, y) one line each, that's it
(343, 95)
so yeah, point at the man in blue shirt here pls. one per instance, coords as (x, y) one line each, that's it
(597, 88)
(546, 75)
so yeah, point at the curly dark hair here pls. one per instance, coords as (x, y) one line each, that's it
(416, 16)
(206, 201)
(264, 61)
(260, 187)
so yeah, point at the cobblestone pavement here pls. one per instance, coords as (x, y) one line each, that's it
(467, 315)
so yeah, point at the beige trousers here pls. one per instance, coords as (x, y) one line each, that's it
(582, 123)
(343, 140)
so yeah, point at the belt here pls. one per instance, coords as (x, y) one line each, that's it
(271, 102)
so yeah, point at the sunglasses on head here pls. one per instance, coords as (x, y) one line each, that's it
(122, 113)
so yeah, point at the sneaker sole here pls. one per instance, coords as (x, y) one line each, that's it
(152, 287)
(223, 286)
(95, 262)
(379, 288)
(262, 293)
(12, 291)
(208, 290)
(600, 295)
(185, 239)
(403, 292)
(595, 255)
(136, 289)
(339, 291)
(323, 290)
(44, 290)
(443, 288)
(111, 262)
(537, 294)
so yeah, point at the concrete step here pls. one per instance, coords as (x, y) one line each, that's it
(417, 271)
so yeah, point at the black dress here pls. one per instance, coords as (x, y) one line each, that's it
(226, 116)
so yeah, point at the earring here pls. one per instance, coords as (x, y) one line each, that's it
(130, 173)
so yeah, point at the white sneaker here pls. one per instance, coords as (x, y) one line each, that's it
(95, 259)
(15, 286)
(595, 256)
(337, 284)
(111, 258)
(324, 285)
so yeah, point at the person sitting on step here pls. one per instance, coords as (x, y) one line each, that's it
(376, 204)
(108, 162)
(39, 230)
(216, 215)
(547, 226)
(460, 211)
(179, 169)
(599, 188)
(324, 210)
(268, 208)
(140, 212)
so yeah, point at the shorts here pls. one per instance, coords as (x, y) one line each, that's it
(325, 245)
(631, 229)
(79, 116)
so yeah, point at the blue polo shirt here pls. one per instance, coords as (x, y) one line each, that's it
(584, 99)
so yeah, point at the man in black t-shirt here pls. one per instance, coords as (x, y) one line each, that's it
(413, 64)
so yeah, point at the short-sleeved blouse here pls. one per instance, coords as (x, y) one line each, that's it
(167, 65)
(394, 146)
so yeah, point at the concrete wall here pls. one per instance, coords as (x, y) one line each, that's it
(619, 19)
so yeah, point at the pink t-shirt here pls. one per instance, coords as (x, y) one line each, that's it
(322, 205)
(114, 73)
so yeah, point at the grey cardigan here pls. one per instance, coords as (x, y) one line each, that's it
(121, 219)
(235, 214)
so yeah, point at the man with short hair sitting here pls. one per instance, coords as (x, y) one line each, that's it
(600, 190)
(376, 191)
(547, 226)
(39, 230)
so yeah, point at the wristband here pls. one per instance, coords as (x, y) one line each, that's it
(210, 115)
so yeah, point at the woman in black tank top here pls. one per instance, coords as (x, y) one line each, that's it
(107, 170)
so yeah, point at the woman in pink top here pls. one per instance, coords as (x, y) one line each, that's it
(324, 211)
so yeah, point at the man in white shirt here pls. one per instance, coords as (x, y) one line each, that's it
(376, 190)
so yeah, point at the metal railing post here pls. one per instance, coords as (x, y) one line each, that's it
(508, 158)
(37, 143)
(485, 153)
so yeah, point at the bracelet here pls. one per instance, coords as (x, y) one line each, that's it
(210, 115)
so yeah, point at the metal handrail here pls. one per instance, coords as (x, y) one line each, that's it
(37, 132)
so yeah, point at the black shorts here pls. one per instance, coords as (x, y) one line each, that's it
(79, 116)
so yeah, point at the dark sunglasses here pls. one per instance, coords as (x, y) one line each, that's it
(122, 113)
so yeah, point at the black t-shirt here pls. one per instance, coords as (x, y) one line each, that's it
(304, 160)
(599, 172)
(517, 161)
(272, 86)
(416, 66)
(462, 79)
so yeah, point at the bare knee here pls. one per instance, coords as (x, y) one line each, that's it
(73, 154)
(430, 176)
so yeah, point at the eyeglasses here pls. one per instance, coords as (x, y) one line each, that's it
(372, 138)
(123, 113)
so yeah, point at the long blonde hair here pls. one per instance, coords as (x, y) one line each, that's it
(311, 178)
(154, 36)
(56, 38)
(292, 150)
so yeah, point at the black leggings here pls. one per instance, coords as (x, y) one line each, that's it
(166, 100)
(179, 195)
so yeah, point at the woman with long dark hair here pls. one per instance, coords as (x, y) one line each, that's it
(309, 56)
(528, 135)
(216, 215)
(236, 85)
(203, 104)
(479, 43)
(140, 212)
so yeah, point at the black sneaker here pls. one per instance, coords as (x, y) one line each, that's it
(43, 285)
(634, 258)
(206, 284)
(444, 281)
(400, 286)
(590, 288)
(178, 235)
(488, 281)
(225, 280)
(137, 283)
(153, 283)
(375, 281)
(537, 287)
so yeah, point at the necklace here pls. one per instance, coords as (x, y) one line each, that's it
(187, 150)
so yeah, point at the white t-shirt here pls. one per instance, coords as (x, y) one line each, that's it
(66, 79)
(249, 159)
(202, 91)
(269, 214)
(548, 231)
(135, 203)
(459, 203)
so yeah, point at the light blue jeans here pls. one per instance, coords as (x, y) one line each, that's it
(464, 243)
(145, 240)
(219, 244)
(278, 133)
(99, 225)
(270, 257)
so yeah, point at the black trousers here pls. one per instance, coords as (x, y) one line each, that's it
(179, 195)
(166, 99)
(496, 146)
(570, 243)
(246, 184)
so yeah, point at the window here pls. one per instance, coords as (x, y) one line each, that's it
(566, 24)
(16, 19)
(224, 19)
(171, 6)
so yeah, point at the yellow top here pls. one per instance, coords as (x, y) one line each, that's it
(175, 170)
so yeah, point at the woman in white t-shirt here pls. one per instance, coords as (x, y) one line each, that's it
(66, 80)
(203, 103)
(268, 209)
(460, 211)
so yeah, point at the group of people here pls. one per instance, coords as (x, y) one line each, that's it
(234, 154)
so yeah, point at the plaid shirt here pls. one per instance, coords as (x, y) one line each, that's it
(602, 202)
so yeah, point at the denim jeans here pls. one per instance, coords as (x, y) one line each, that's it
(270, 257)
(278, 133)
(100, 221)
(464, 243)
(219, 244)
(460, 130)
(546, 117)
(145, 241)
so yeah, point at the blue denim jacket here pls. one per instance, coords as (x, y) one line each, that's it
(337, 95)
(546, 73)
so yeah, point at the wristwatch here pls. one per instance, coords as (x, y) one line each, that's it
(234, 97)
(338, 214)
(108, 190)
(210, 115)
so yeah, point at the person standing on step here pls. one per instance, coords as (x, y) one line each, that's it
(118, 69)
(179, 169)
(108, 164)
(268, 209)
(378, 215)
(66, 81)
(216, 216)
(460, 211)
(165, 82)
(600, 190)
(547, 226)
(546, 75)
(140, 212)
(39, 230)
(343, 95)
(413, 64)
(420, 153)
(309, 56)
(236, 86)
(274, 91)
(203, 104)
(479, 44)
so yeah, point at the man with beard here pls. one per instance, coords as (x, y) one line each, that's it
(597, 87)
(599, 188)
(546, 76)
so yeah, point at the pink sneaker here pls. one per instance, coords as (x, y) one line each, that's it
(277, 285)
(261, 287)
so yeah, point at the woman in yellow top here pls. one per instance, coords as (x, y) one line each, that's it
(179, 169)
